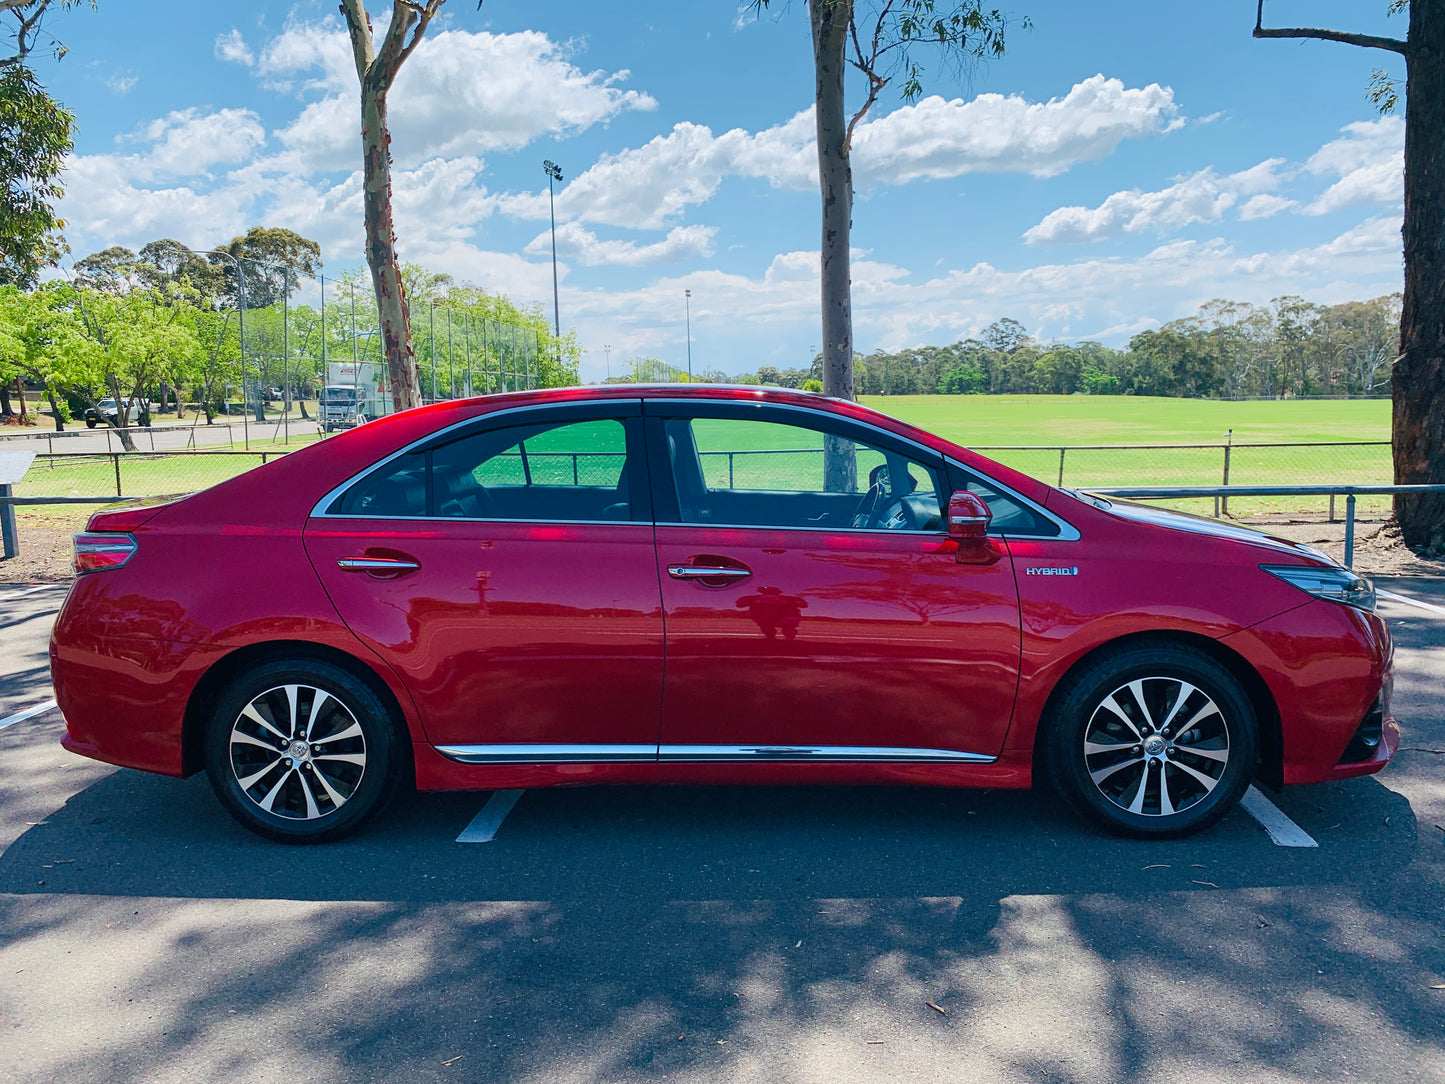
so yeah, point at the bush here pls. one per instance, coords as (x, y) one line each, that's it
(813, 385)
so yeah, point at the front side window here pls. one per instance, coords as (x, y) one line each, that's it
(549, 471)
(763, 473)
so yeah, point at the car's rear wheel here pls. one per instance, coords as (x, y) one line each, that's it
(301, 750)
(1153, 741)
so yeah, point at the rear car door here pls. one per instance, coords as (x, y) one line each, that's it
(815, 608)
(506, 570)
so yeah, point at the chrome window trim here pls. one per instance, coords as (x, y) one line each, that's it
(828, 530)
(1067, 531)
(319, 510)
(549, 753)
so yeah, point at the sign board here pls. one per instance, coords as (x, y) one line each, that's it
(13, 465)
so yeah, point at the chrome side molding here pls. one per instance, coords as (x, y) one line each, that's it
(527, 753)
(834, 753)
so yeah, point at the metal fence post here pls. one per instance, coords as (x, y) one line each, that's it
(1061, 467)
(1350, 530)
(1222, 505)
(8, 534)
(116, 457)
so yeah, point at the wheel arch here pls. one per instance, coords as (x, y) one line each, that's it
(224, 669)
(1270, 769)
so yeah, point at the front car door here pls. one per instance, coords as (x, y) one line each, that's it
(814, 606)
(506, 570)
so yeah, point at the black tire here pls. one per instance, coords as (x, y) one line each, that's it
(274, 787)
(91, 423)
(1176, 778)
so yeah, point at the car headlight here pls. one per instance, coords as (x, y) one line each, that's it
(1333, 583)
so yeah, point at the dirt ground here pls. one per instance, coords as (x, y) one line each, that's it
(45, 544)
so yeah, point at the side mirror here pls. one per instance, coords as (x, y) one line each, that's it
(968, 520)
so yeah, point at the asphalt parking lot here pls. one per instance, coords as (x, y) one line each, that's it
(728, 934)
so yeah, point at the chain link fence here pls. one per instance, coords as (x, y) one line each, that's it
(147, 474)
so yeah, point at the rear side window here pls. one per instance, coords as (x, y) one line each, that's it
(395, 490)
(556, 472)
(573, 471)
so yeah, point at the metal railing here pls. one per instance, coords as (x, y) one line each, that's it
(1349, 492)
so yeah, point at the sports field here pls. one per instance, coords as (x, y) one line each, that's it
(1126, 419)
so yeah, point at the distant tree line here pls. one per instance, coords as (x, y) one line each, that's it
(1227, 350)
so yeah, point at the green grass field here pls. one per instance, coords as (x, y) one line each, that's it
(1126, 419)
(974, 421)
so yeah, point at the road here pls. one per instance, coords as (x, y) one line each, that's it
(729, 934)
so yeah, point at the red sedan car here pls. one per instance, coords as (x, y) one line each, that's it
(690, 584)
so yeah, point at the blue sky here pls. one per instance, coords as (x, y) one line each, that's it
(1123, 163)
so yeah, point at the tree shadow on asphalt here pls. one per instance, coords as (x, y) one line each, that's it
(697, 933)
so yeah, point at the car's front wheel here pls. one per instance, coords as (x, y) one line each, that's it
(1153, 741)
(301, 751)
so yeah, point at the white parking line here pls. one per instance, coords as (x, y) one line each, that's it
(1408, 601)
(31, 591)
(28, 713)
(1284, 832)
(483, 828)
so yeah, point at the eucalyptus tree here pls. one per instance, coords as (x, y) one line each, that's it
(377, 68)
(881, 40)
(1417, 380)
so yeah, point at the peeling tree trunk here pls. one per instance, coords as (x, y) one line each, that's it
(829, 20)
(55, 409)
(1418, 382)
(377, 69)
(391, 304)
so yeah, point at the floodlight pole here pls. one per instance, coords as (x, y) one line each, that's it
(687, 300)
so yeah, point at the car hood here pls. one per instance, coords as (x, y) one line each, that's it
(1180, 521)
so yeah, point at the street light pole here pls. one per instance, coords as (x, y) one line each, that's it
(554, 173)
(687, 300)
(607, 350)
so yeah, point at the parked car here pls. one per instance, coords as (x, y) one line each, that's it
(107, 411)
(693, 584)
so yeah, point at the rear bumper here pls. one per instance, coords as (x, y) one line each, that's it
(124, 700)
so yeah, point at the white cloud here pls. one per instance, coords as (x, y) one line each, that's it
(121, 85)
(231, 47)
(461, 93)
(576, 242)
(1092, 298)
(1263, 206)
(648, 186)
(1201, 197)
(190, 142)
(1368, 159)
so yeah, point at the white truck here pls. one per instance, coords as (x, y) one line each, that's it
(352, 395)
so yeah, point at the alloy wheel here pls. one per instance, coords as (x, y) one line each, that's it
(1156, 746)
(297, 752)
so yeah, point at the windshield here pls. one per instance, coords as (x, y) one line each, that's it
(340, 394)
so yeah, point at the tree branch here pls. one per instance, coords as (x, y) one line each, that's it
(359, 24)
(1367, 41)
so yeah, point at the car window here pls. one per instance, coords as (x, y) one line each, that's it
(568, 471)
(556, 472)
(1007, 514)
(767, 473)
(395, 490)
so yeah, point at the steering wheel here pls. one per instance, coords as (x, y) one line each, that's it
(866, 514)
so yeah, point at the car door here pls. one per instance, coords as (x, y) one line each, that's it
(815, 608)
(506, 570)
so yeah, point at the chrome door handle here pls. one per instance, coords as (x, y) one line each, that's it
(377, 564)
(701, 572)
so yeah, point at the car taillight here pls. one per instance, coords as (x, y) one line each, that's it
(99, 550)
